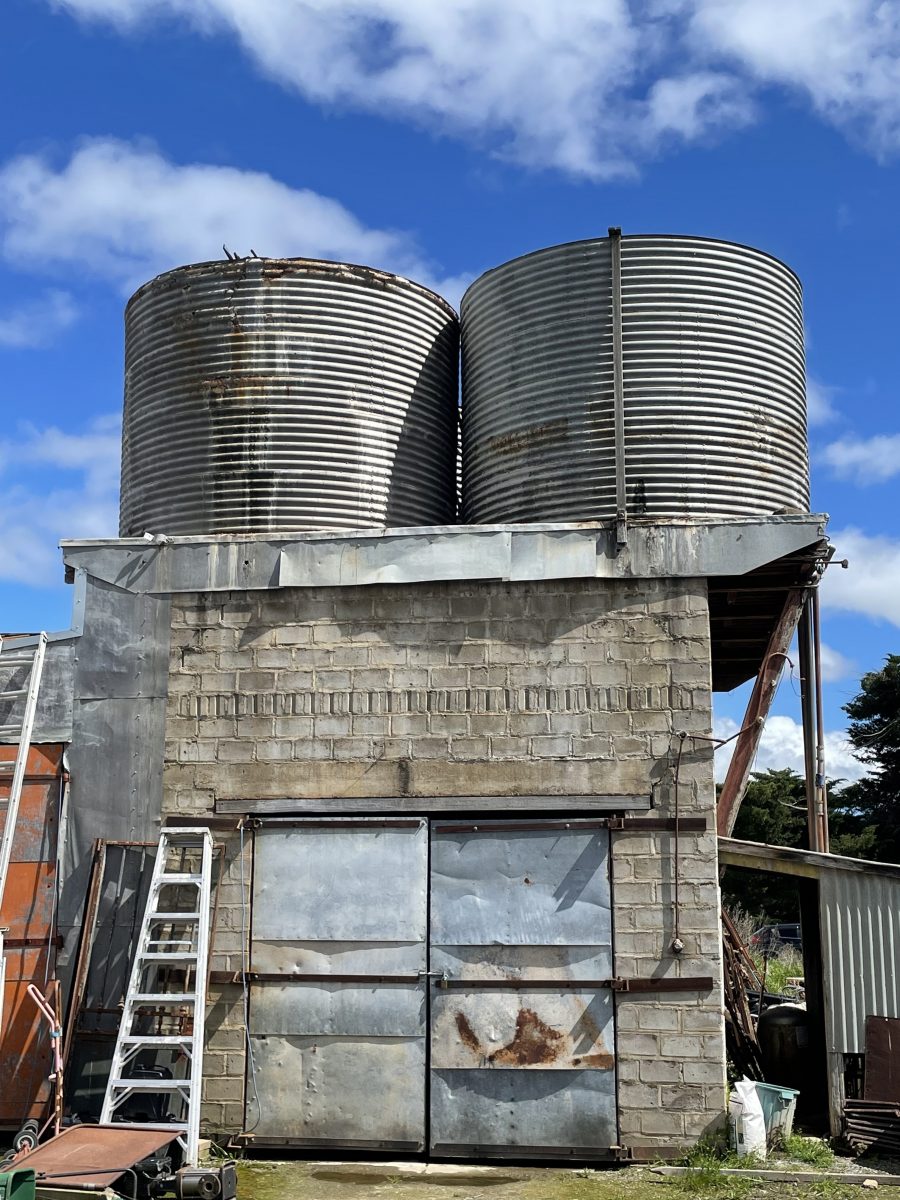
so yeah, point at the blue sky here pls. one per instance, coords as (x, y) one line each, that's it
(439, 140)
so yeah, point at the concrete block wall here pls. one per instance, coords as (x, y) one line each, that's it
(224, 1062)
(475, 689)
(551, 688)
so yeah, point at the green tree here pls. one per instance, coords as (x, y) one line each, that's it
(867, 813)
(772, 812)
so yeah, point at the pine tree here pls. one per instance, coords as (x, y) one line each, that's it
(870, 809)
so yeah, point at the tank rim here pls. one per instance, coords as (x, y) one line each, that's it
(374, 273)
(627, 237)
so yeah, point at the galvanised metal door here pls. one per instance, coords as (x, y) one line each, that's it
(337, 1011)
(522, 1034)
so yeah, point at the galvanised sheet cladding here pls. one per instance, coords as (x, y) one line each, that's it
(527, 1067)
(339, 1061)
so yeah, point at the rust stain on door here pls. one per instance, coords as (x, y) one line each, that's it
(534, 1043)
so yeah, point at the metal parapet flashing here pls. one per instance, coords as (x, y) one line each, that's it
(670, 549)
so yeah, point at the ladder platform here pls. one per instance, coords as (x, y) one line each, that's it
(163, 998)
(160, 956)
(157, 1039)
(151, 1085)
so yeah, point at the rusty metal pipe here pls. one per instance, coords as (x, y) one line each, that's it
(821, 785)
(806, 644)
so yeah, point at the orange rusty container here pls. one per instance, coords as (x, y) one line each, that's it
(28, 914)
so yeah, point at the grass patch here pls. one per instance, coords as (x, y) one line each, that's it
(707, 1161)
(812, 1151)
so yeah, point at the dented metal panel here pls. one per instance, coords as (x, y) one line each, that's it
(522, 888)
(335, 1092)
(340, 899)
(524, 1068)
(540, 1030)
(504, 1113)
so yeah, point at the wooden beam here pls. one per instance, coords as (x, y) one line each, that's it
(760, 702)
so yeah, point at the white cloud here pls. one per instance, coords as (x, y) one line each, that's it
(124, 213)
(864, 460)
(871, 584)
(76, 497)
(36, 323)
(836, 666)
(588, 86)
(843, 55)
(819, 407)
(781, 746)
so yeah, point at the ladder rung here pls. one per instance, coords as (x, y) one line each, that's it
(16, 658)
(175, 917)
(157, 1039)
(152, 1085)
(157, 956)
(16, 692)
(170, 1126)
(164, 998)
(166, 880)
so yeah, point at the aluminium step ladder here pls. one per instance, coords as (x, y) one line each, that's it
(22, 699)
(163, 1016)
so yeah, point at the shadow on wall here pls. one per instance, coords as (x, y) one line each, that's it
(424, 448)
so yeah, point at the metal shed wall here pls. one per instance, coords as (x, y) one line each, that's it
(860, 927)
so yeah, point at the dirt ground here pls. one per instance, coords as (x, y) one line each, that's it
(267, 1180)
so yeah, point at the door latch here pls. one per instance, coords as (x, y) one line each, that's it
(441, 976)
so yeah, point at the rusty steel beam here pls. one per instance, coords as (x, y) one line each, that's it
(760, 702)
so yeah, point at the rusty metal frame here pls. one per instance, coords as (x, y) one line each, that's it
(616, 824)
(85, 946)
(758, 707)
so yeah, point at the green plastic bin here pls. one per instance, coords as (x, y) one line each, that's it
(17, 1184)
(779, 1105)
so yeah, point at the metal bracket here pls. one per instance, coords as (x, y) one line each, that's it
(683, 983)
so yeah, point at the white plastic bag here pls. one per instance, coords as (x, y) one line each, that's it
(746, 1118)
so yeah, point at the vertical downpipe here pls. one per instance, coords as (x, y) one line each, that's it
(615, 246)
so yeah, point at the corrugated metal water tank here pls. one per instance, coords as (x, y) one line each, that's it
(714, 382)
(267, 395)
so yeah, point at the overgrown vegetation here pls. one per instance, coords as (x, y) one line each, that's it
(812, 1151)
(780, 969)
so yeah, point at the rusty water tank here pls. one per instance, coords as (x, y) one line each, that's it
(276, 395)
(714, 384)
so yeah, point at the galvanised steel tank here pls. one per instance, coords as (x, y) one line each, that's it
(275, 395)
(714, 384)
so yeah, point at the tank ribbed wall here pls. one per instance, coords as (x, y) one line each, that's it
(266, 395)
(714, 377)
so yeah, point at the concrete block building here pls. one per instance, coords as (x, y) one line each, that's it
(461, 775)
